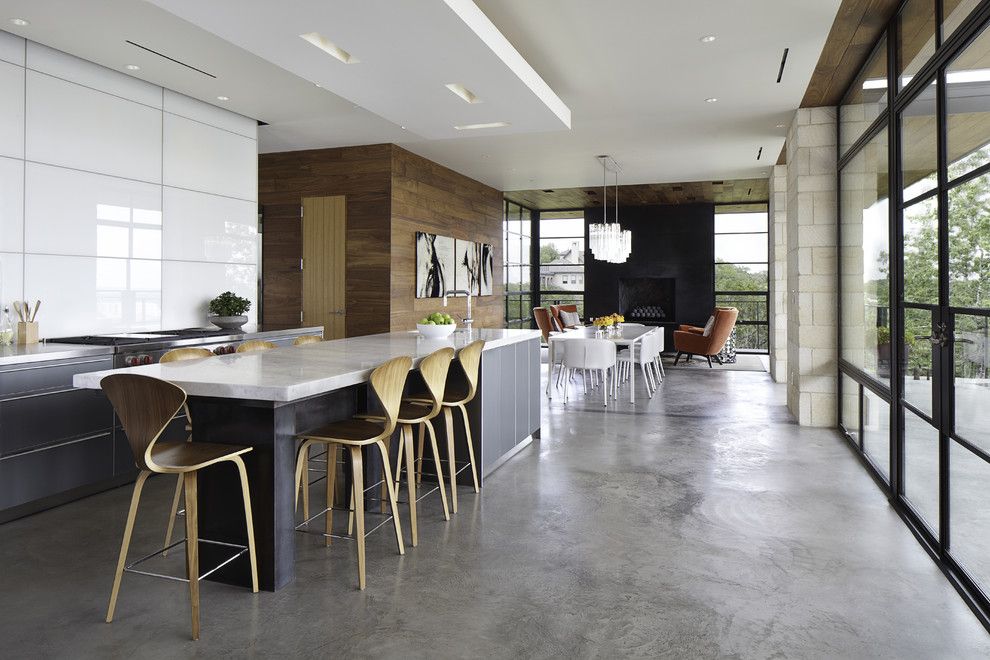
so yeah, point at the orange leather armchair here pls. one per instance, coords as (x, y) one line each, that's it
(690, 340)
(545, 322)
(555, 310)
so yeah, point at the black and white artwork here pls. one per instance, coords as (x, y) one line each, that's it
(467, 269)
(434, 265)
(487, 265)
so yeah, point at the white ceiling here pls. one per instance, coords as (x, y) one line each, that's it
(633, 74)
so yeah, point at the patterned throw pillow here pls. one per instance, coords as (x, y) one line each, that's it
(570, 319)
(709, 326)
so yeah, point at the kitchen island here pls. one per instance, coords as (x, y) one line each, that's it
(265, 399)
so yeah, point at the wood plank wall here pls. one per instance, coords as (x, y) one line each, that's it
(363, 175)
(432, 198)
(391, 194)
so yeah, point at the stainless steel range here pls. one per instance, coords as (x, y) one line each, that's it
(133, 349)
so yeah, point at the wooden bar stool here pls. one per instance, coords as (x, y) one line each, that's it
(181, 355)
(459, 390)
(387, 383)
(145, 406)
(433, 368)
(256, 345)
(307, 339)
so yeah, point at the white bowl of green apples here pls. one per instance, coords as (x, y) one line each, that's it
(436, 325)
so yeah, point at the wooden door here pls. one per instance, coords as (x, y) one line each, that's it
(324, 224)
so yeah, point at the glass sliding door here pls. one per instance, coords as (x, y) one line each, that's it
(914, 296)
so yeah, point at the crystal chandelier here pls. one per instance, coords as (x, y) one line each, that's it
(608, 240)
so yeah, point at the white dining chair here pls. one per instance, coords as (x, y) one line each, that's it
(591, 355)
(645, 357)
(659, 348)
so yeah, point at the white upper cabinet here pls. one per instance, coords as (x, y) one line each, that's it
(11, 48)
(11, 110)
(190, 108)
(208, 159)
(78, 127)
(92, 214)
(61, 65)
(11, 205)
(204, 227)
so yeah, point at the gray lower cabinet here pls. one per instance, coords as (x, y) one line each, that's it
(54, 439)
(510, 399)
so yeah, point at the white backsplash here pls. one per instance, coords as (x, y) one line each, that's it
(123, 205)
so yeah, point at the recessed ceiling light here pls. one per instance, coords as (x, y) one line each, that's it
(20, 22)
(707, 39)
(466, 94)
(474, 127)
(223, 98)
(329, 47)
(132, 67)
(711, 100)
(780, 126)
(402, 127)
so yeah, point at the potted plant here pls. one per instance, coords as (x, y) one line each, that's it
(227, 310)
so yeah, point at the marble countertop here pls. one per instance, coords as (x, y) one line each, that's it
(296, 372)
(10, 355)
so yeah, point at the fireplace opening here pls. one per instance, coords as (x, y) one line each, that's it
(647, 300)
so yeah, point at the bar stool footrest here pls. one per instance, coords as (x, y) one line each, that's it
(129, 568)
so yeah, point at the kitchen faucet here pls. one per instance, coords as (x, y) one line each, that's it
(467, 319)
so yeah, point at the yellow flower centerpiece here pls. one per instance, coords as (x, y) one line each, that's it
(608, 321)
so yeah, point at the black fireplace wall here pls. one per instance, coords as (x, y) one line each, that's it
(676, 241)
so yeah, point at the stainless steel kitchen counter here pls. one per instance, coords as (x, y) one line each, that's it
(12, 355)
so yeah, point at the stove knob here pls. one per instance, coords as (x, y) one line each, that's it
(130, 361)
(146, 359)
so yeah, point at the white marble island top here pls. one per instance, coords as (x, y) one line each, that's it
(296, 372)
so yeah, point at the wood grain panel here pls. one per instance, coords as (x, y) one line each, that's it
(857, 26)
(390, 195)
(362, 175)
(735, 191)
(432, 198)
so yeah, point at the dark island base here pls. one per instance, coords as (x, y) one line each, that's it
(504, 414)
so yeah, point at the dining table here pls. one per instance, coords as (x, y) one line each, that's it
(626, 336)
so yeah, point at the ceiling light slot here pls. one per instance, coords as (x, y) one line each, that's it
(783, 62)
(475, 127)
(329, 47)
(170, 59)
(466, 94)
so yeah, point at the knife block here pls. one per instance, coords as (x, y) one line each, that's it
(27, 333)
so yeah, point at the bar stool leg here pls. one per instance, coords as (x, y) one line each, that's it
(249, 521)
(331, 488)
(419, 466)
(437, 464)
(406, 451)
(172, 514)
(470, 446)
(448, 418)
(301, 482)
(192, 548)
(357, 500)
(125, 544)
(392, 496)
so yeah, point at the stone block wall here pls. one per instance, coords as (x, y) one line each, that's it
(811, 267)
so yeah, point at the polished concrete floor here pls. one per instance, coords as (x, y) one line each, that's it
(702, 523)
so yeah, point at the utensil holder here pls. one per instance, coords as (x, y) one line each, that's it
(27, 333)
